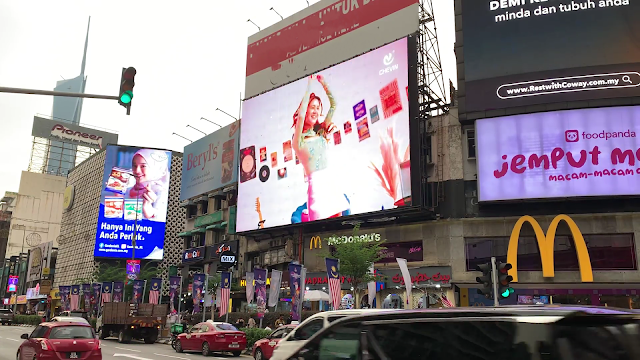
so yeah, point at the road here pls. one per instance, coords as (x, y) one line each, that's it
(111, 349)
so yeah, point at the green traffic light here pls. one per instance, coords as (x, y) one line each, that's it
(126, 97)
(507, 292)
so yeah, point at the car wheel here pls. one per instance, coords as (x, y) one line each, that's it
(237, 353)
(123, 337)
(18, 355)
(178, 346)
(205, 349)
(258, 354)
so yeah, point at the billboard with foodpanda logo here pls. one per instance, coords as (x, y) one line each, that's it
(571, 153)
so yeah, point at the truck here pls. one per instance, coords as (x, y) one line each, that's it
(131, 321)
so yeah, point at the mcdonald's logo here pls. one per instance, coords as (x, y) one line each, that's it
(545, 244)
(315, 242)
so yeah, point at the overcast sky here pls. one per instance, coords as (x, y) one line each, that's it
(190, 57)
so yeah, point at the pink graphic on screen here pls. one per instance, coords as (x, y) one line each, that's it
(336, 175)
(571, 153)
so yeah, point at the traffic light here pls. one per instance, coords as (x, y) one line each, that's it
(486, 280)
(504, 279)
(127, 82)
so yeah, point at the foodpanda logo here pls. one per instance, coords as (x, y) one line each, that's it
(389, 65)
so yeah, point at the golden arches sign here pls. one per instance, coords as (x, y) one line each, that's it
(315, 241)
(545, 244)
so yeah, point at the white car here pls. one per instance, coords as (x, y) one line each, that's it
(72, 319)
(297, 338)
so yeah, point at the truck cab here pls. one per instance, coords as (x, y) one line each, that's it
(131, 321)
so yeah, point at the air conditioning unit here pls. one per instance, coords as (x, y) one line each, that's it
(256, 261)
(224, 237)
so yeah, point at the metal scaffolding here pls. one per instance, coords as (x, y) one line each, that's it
(55, 157)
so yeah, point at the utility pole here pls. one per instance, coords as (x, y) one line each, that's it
(494, 280)
(135, 230)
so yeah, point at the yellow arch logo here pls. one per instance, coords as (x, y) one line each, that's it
(545, 244)
(315, 241)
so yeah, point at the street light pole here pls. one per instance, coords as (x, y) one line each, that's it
(55, 93)
(135, 230)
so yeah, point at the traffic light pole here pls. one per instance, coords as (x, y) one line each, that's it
(55, 93)
(494, 277)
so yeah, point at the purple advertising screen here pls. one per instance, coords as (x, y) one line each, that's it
(12, 285)
(571, 153)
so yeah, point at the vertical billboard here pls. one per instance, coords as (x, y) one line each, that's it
(39, 259)
(211, 162)
(135, 193)
(332, 144)
(324, 34)
(571, 153)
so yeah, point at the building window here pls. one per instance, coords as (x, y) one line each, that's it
(197, 240)
(471, 144)
(205, 207)
(606, 251)
(192, 211)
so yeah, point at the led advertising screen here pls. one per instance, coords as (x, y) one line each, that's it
(348, 153)
(571, 153)
(525, 52)
(12, 283)
(211, 162)
(135, 193)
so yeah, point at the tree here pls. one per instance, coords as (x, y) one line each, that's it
(109, 272)
(356, 259)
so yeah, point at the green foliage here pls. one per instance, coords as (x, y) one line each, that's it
(254, 335)
(356, 259)
(108, 272)
(27, 319)
(268, 320)
(214, 283)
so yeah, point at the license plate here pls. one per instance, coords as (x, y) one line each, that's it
(73, 355)
(233, 346)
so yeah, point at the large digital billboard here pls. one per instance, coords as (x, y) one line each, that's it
(332, 144)
(571, 153)
(211, 162)
(522, 52)
(135, 194)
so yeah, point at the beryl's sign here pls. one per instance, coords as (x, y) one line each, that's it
(571, 153)
(72, 133)
(211, 162)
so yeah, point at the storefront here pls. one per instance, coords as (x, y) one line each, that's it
(284, 297)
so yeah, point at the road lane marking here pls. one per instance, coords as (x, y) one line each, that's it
(12, 339)
(171, 356)
(126, 349)
(131, 356)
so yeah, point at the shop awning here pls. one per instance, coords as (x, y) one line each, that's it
(203, 199)
(199, 231)
(184, 234)
(217, 226)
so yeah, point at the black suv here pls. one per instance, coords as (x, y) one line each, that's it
(519, 333)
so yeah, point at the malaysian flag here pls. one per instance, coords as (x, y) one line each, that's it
(225, 292)
(75, 297)
(154, 291)
(445, 301)
(107, 287)
(333, 274)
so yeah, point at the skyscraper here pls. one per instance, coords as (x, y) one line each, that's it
(62, 156)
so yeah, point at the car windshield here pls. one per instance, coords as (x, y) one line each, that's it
(77, 314)
(225, 327)
(5, 311)
(71, 332)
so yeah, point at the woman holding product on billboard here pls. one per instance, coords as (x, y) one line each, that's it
(151, 170)
(310, 140)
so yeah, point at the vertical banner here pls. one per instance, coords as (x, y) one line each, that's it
(95, 297)
(274, 289)
(333, 274)
(225, 292)
(75, 297)
(138, 289)
(133, 269)
(86, 294)
(260, 276)
(65, 291)
(155, 290)
(371, 288)
(249, 288)
(107, 288)
(174, 292)
(294, 286)
(402, 263)
(118, 291)
(198, 291)
(303, 281)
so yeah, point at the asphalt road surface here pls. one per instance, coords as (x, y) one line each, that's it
(111, 349)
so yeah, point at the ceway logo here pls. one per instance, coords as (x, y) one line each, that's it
(63, 133)
(388, 61)
(575, 135)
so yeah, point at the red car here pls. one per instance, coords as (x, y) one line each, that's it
(263, 348)
(60, 340)
(210, 337)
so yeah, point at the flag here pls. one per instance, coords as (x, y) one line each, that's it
(445, 301)
(118, 291)
(402, 263)
(274, 290)
(249, 287)
(225, 292)
(154, 291)
(107, 287)
(333, 274)
(198, 291)
(294, 287)
(75, 297)
(138, 290)
(260, 277)
(175, 288)
(371, 287)
(86, 293)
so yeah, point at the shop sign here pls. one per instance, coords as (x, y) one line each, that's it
(419, 276)
(22, 299)
(45, 287)
(213, 252)
(321, 279)
(12, 300)
(545, 244)
(193, 254)
(284, 283)
(315, 242)
(55, 294)
(410, 250)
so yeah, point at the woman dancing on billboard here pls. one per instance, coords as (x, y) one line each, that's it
(310, 139)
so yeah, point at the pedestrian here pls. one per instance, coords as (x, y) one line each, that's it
(251, 323)
(279, 321)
